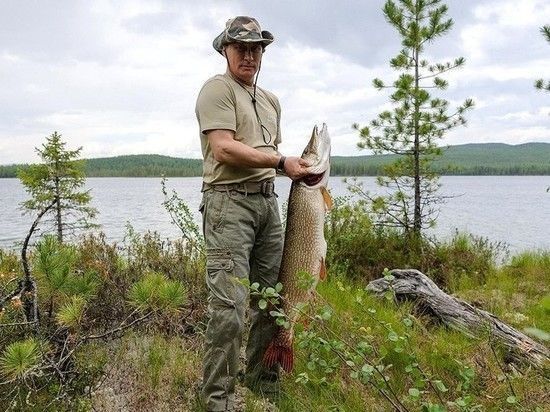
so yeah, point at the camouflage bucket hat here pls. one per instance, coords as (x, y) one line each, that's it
(242, 29)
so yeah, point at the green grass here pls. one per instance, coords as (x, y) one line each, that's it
(445, 355)
(158, 366)
(149, 372)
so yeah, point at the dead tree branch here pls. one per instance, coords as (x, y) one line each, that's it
(412, 285)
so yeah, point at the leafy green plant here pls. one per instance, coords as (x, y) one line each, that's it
(181, 216)
(359, 249)
(71, 313)
(53, 262)
(58, 181)
(62, 283)
(156, 292)
(381, 349)
(20, 358)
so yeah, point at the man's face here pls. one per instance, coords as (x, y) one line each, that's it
(244, 60)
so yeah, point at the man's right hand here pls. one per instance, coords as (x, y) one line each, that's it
(296, 167)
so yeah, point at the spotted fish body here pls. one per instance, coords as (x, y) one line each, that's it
(305, 246)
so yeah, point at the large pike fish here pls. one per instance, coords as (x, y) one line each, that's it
(305, 246)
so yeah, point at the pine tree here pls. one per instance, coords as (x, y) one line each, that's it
(58, 180)
(418, 120)
(540, 83)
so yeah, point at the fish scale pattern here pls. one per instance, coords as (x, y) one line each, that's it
(304, 252)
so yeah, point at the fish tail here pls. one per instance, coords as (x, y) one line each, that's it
(283, 354)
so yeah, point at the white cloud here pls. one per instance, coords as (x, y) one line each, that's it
(505, 27)
(512, 13)
(319, 87)
(523, 116)
(122, 76)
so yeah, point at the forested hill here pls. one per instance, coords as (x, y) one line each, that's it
(468, 159)
(142, 166)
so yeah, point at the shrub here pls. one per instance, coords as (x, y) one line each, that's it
(87, 292)
(361, 250)
(463, 258)
(121, 266)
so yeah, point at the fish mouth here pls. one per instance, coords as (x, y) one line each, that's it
(313, 179)
(317, 153)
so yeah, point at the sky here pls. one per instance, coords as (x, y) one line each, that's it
(121, 77)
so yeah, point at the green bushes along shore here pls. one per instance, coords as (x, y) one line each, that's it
(121, 327)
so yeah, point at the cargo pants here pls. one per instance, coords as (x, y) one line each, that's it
(244, 240)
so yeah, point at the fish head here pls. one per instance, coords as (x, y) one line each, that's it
(317, 153)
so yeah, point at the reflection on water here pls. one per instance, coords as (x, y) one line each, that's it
(512, 209)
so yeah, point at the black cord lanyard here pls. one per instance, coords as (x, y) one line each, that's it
(253, 98)
(258, 118)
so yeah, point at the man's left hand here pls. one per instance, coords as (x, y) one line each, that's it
(296, 167)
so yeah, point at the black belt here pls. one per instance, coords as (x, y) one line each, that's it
(265, 187)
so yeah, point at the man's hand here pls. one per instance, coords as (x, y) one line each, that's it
(296, 167)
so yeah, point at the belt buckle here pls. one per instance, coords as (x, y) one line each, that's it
(268, 188)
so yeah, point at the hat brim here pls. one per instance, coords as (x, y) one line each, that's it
(224, 39)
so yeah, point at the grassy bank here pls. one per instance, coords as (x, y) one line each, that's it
(355, 351)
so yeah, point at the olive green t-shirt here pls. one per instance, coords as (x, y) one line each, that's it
(225, 104)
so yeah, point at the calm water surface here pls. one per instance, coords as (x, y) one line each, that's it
(512, 209)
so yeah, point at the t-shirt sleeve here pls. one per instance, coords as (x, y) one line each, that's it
(278, 139)
(215, 107)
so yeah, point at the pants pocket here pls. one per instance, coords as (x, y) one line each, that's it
(214, 209)
(220, 278)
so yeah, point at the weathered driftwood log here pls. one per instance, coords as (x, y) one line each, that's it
(412, 285)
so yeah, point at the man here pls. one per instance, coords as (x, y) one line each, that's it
(240, 133)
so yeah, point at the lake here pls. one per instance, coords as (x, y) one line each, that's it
(511, 209)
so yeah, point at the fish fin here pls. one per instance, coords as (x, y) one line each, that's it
(281, 354)
(327, 198)
(323, 270)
